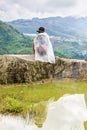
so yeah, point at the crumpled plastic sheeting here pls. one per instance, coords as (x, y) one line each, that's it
(43, 48)
(68, 113)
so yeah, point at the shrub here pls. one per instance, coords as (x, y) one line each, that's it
(12, 105)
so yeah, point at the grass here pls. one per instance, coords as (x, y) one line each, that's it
(33, 99)
(21, 98)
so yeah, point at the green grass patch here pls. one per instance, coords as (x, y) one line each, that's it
(19, 99)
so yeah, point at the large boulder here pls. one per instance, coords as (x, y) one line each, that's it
(24, 69)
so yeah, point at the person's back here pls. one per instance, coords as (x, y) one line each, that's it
(43, 47)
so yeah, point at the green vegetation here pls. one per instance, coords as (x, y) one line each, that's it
(13, 42)
(85, 125)
(69, 33)
(22, 98)
(33, 99)
(69, 49)
(67, 27)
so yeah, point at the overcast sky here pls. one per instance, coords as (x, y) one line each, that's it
(27, 9)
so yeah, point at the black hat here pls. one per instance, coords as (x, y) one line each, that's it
(41, 29)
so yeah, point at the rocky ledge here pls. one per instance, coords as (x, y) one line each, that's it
(24, 69)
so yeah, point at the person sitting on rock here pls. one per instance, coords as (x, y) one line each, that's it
(42, 47)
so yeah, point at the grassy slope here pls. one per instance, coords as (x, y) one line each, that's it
(13, 42)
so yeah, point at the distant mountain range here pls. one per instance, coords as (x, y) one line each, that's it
(68, 27)
(65, 43)
(12, 41)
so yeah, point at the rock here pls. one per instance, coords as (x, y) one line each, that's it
(24, 69)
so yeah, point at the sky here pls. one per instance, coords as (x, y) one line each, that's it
(27, 9)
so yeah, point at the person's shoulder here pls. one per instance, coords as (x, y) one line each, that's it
(43, 35)
(46, 35)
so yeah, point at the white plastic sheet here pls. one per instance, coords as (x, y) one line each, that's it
(68, 113)
(43, 48)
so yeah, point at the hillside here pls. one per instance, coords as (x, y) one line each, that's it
(74, 49)
(12, 41)
(68, 27)
(69, 34)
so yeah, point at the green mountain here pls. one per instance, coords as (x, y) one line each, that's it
(69, 49)
(12, 41)
(67, 27)
(65, 43)
(69, 34)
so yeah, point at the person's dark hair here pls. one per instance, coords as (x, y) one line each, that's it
(41, 29)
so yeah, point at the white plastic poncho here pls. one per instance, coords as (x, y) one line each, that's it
(43, 48)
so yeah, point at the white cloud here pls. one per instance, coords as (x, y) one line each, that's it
(16, 9)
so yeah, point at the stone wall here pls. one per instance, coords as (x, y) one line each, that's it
(24, 69)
